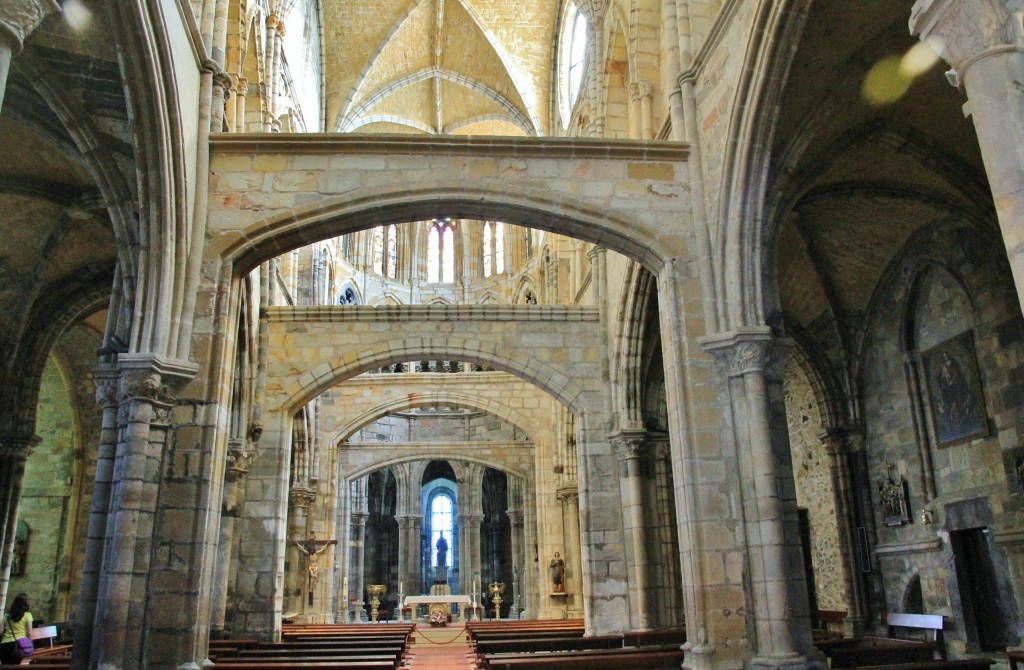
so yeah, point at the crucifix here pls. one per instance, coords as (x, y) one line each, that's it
(312, 548)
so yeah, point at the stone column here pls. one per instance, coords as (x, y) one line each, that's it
(751, 362)
(640, 97)
(106, 380)
(357, 568)
(241, 90)
(134, 620)
(569, 494)
(301, 498)
(983, 41)
(846, 515)
(516, 519)
(239, 454)
(18, 18)
(414, 583)
(14, 451)
(630, 449)
(270, 72)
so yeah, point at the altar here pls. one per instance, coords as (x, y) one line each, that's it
(449, 599)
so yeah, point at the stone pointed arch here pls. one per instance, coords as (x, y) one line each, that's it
(287, 393)
(738, 249)
(442, 455)
(635, 203)
(500, 410)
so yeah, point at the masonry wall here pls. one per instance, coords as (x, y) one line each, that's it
(951, 289)
(812, 474)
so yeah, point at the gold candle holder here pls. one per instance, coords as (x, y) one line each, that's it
(496, 589)
(377, 591)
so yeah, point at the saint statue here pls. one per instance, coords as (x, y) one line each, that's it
(442, 550)
(557, 566)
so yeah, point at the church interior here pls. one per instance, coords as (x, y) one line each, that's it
(648, 314)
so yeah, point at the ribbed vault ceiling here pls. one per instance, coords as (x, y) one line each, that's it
(439, 66)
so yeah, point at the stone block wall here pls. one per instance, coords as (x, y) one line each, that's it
(951, 289)
(813, 478)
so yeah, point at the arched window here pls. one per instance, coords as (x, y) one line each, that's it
(392, 251)
(440, 522)
(494, 248)
(378, 251)
(572, 58)
(441, 252)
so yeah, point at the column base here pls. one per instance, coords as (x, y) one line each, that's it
(855, 626)
(776, 662)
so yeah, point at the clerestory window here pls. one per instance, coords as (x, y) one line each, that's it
(572, 58)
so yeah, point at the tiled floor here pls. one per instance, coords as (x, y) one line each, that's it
(440, 648)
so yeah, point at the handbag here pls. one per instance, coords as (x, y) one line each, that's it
(23, 647)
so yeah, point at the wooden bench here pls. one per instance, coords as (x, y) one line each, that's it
(948, 664)
(610, 659)
(302, 664)
(931, 624)
(1015, 657)
(871, 651)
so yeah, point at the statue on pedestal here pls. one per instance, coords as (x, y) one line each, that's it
(557, 566)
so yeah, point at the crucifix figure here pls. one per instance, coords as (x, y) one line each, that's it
(312, 548)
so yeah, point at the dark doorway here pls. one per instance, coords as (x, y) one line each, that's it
(805, 545)
(979, 589)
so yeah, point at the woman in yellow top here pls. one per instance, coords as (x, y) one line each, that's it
(17, 623)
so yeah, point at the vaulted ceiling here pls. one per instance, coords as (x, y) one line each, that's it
(439, 66)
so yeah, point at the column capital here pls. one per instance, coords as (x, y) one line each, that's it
(105, 379)
(240, 454)
(273, 20)
(18, 446)
(628, 443)
(963, 32)
(752, 349)
(242, 86)
(18, 18)
(301, 496)
(640, 89)
(569, 493)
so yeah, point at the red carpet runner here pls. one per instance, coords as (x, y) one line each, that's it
(440, 648)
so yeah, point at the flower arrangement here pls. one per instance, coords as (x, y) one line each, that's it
(438, 617)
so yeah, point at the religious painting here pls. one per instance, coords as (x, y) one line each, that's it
(954, 391)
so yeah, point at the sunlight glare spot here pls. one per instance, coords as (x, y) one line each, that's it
(918, 60)
(77, 15)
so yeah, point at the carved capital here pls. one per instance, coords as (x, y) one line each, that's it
(569, 493)
(301, 496)
(747, 350)
(964, 31)
(223, 80)
(273, 20)
(242, 86)
(629, 444)
(640, 89)
(18, 447)
(18, 18)
(105, 379)
(240, 456)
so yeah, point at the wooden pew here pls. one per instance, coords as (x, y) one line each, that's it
(867, 651)
(948, 664)
(648, 658)
(930, 624)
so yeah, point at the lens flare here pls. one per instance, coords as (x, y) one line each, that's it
(77, 15)
(918, 60)
(889, 79)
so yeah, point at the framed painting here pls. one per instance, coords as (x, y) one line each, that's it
(954, 391)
